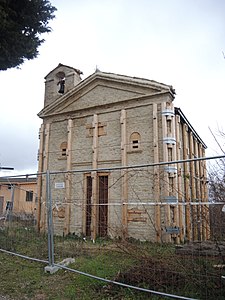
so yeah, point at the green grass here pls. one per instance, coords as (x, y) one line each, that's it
(148, 265)
(22, 278)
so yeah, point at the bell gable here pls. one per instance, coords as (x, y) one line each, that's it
(102, 89)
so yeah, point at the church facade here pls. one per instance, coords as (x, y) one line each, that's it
(112, 141)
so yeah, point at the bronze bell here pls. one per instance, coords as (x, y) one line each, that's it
(61, 84)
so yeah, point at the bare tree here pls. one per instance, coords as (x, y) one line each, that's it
(216, 176)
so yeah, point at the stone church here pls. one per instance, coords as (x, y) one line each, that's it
(110, 143)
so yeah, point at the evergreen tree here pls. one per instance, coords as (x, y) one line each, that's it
(21, 24)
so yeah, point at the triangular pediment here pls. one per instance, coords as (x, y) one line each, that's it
(102, 89)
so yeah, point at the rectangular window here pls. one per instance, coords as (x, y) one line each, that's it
(170, 154)
(29, 196)
(171, 186)
(169, 127)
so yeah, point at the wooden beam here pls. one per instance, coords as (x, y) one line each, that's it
(193, 187)
(202, 195)
(166, 176)
(198, 191)
(66, 228)
(45, 168)
(94, 210)
(206, 195)
(124, 198)
(69, 144)
(187, 183)
(39, 178)
(179, 178)
(46, 148)
(156, 181)
(175, 178)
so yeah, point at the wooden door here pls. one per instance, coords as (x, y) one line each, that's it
(88, 206)
(103, 206)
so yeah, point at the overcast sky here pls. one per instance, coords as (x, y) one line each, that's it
(176, 42)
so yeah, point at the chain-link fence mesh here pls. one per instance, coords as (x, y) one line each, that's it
(121, 224)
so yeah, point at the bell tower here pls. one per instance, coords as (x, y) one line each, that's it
(59, 81)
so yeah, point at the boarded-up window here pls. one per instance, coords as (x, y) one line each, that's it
(101, 129)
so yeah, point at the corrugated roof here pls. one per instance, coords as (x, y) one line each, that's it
(6, 180)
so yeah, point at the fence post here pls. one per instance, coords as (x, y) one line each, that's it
(49, 221)
(9, 213)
